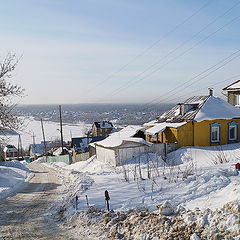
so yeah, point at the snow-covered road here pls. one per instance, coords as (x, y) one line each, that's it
(33, 213)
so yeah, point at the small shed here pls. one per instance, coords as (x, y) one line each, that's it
(116, 150)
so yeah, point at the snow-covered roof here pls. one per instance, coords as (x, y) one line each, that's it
(58, 152)
(200, 108)
(151, 123)
(125, 135)
(114, 141)
(160, 127)
(233, 86)
(216, 108)
(104, 124)
(128, 131)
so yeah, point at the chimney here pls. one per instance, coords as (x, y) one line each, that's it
(210, 91)
(181, 108)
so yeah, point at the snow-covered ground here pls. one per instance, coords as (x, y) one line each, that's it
(199, 189)
(51, 130)
(13, 175)
(191, 179)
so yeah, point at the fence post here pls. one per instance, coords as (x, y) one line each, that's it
(107, 198)
(87, 201)
(76, 202)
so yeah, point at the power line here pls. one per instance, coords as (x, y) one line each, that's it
(203, 72)
(152, 45)
(219, 67)
(131, 82)
(211, 85)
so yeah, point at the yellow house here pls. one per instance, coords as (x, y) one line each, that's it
(199, 121)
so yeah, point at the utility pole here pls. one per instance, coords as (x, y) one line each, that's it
(60, 112)
(34, 145)
(45, 146)
(20, 147)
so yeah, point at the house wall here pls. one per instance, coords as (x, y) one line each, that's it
(96, 132)
(182, 135)
(106, 155)
(158, 138)
(202, 131)
(231, 95)
(119, 155)
(123, 154)
(185, 135)
(170, 135)
(231, 98)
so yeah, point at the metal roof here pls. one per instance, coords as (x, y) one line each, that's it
(173, 115)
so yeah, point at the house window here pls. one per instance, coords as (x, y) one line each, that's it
(236, 99)
(233, 131)
(215, 133)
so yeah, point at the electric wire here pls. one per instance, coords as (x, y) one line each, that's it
(152, 45)
(171, 60)
(169, 99)
(222, 63)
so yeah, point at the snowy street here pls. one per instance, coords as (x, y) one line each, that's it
(29, 214)
(191, 197)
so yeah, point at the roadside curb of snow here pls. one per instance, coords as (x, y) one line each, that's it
(178, 223)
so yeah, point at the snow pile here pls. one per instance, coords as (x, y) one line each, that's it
(13, 175)
(139, 223)
(205, 156)
(40, 160)
(91, 166)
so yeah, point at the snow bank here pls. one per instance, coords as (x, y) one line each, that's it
(139, 223)
(189, 178)
(196, 198)
(13, 174)
(205, 156)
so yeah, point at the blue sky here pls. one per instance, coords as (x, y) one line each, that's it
(70, 48)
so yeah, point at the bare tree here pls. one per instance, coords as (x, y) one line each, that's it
(8, 91)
